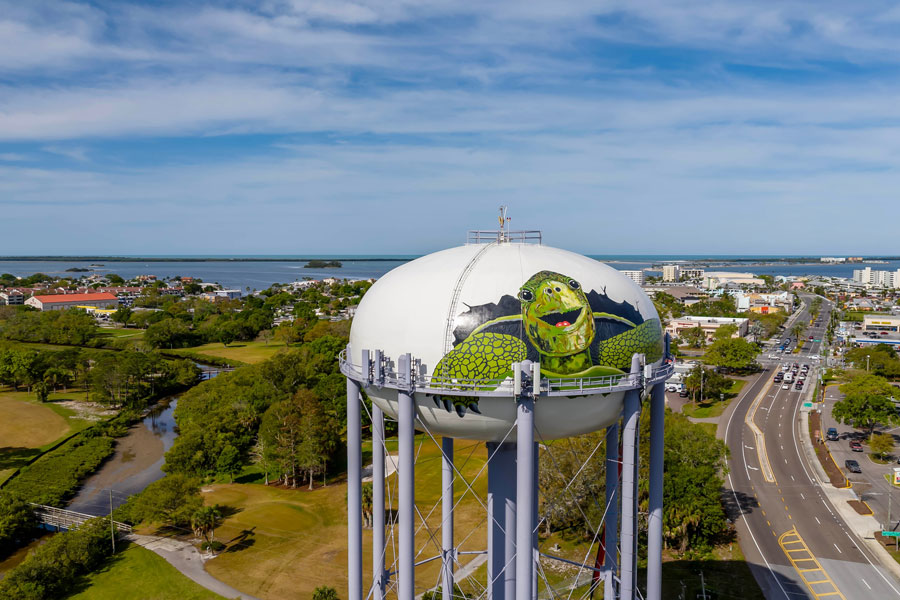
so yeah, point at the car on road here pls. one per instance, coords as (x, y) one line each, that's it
(852, 466)
(683, 394)
(799, 386)
(673, 387)
(786, 386)
(856, 446)
(832, 434)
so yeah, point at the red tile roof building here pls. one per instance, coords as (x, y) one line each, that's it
(65, 301)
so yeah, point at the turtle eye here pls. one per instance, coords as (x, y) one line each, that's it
(526, 295)
(574, 284)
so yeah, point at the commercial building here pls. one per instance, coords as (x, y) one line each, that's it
(709, 325)
(764, 303)
(832, 259)
(635, 276)
(671, 272)
(221, 295)
(878, 323)
(716, 279)
(66, 301)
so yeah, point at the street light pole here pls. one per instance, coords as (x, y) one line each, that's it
(867, 363)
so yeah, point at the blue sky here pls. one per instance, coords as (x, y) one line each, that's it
(281, 127)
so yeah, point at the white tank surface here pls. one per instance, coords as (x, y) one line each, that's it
(471, 312)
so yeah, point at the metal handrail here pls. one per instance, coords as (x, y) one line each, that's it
(481, 236)
(559, 386)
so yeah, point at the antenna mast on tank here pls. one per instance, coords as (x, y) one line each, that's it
(504, 224)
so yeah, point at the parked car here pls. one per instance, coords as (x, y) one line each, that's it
(673, 387)
(683, 394)
(856, 446)
(832, 434)
(852, 466)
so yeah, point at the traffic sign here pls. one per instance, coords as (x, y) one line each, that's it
(890, 533)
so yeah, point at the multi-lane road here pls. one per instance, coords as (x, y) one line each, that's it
(797, 545)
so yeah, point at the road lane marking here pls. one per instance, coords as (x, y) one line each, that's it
(836, 547)
(817, 520)
(865, 582)
(808, 566)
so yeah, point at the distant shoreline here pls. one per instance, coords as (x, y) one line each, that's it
(165, 259)
(654, 259)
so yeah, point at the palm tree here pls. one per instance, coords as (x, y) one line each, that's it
(367, 504)
(204, 523)
(797, 330)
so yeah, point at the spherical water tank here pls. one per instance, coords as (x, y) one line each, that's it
(470, 312)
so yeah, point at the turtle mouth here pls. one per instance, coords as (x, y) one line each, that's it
(562, 319)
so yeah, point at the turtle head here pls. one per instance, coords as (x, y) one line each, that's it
(556, 313)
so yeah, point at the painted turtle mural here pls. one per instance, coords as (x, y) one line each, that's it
(572, 334)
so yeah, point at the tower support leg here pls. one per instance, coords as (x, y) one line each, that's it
(501, 521)
(378, 574)
(612, 510)
(525, 492)
(655, 524)
(447, 547)
(406, 480)
(631, 419)
(354, 493)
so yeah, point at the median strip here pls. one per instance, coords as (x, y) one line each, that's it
(763, 456)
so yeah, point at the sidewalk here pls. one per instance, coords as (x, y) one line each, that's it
(188, 560)
(863, 526)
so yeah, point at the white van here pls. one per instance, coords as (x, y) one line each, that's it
(788, 377)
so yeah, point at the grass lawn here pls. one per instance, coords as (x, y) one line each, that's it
(245, 352)
(714, 408)
(283, 543)
(139, 573)
(28, 427)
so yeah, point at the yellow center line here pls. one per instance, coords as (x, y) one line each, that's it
(792, 538)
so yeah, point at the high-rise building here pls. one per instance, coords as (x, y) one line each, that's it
(671, 272)
(635, 276)
(885, 279)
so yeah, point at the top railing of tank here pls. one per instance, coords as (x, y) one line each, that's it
(502, 236)
(385, 375)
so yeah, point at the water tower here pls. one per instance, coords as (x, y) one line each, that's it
(499, 340)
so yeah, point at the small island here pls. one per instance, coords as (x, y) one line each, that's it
(77, 270)
(323, 264)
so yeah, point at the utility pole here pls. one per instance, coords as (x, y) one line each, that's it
(702, 586)
(112, 525)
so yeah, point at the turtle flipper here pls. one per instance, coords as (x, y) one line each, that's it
(482, 357)
(646, 338)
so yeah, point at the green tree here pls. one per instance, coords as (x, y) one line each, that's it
(866, 403)
(229, 461)
(694, 337)
(704, 383)
(798, 329)
(732, 353)
(17, 521)
(41, 390)
(122, 315)
(204, 522)
(724, 332)
(325, 593)
(169, 333)
(881, 444)
(172, 500)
